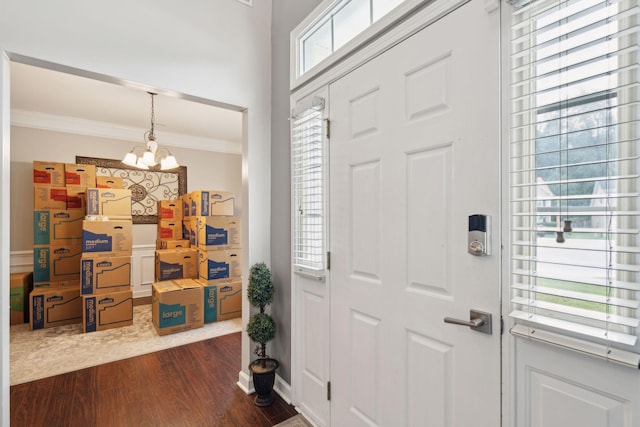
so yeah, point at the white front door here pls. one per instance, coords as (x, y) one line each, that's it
(414, 151)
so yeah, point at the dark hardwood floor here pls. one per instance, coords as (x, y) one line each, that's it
(192, 385)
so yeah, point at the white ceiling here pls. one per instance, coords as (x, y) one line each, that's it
(38, 92)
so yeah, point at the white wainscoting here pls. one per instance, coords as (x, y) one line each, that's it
(142, 272)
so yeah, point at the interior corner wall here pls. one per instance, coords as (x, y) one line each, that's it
(217, 50)
(286, 15)
(205, 170)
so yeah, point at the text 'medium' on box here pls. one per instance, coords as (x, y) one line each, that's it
(57, 306)
(105, 274)
(178, 263)
(107, 311)
(219, 264)
(218, 231)
(106, 237)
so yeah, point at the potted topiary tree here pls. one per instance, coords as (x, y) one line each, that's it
(262, 329)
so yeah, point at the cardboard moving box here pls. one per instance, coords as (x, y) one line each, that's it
(109, 182)
(172, 243)
(179, 263)
(48, 197)
(77, 198)
(107, 311)
(170, 209)
(60, 284)
(218, 231)
(186, 205)
(101, 275)
(222, 301)
(56, 263)
(57, 227)
(51, 307)
(213, 202)
(110, 202)
(106, 238)
(50, 173)
(169, 229)
(20, 285)
(224, 265)
(177, 305)
(81, 175)
(189, 231)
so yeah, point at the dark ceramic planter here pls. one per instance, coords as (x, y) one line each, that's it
(264, 376)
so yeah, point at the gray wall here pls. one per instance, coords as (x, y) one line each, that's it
(286, 15)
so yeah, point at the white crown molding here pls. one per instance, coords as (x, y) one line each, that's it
(42, 121)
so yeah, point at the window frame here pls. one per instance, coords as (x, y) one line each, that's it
(312, 104)
(321, 13)
(594, 347)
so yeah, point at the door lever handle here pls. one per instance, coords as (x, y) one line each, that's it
(478, 321)
(473, 323)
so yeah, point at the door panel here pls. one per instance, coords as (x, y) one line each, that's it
(414, 151)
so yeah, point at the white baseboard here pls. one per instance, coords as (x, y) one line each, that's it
(245, 382)
(283, 389)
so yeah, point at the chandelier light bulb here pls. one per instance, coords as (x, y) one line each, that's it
(152, 154)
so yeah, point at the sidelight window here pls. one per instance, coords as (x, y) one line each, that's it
(575, 175)
(308, 170)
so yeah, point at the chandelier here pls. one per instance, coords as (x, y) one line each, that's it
(152, 154)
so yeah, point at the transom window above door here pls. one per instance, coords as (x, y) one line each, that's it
(345, 20)
(337, 27)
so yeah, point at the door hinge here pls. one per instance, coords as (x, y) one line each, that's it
(328, 260)
(327, 125)
(329, 390)
(501, 325)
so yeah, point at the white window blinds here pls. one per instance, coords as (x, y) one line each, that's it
(308, 188)
(575, 174)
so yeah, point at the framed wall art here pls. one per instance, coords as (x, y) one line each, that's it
(147, 186)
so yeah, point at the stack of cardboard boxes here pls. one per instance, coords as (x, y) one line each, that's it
(217, 234)
(175, 258)
(107, 298)
(59, 190)
(208, 224)
(82, 264)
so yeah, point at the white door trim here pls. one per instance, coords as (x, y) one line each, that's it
(4, 231)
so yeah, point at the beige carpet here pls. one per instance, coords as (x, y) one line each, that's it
(47, 352)
(297, 421)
